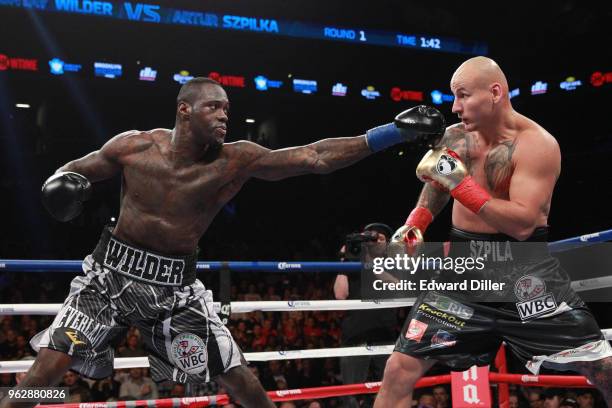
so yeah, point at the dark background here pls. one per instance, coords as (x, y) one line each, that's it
(302, 218)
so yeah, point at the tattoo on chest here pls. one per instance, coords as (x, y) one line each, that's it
(498, 166)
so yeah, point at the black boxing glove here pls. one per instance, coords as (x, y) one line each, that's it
(421, 124)
(63, 195)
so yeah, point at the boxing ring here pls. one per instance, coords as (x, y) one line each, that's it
(500, 377)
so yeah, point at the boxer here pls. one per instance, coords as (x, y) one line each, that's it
(142, 271)
(501, 168)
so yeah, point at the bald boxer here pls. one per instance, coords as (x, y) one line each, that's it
(142, 272)
(501, 168)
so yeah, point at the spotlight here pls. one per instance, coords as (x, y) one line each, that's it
(23, 105)
(250, 120)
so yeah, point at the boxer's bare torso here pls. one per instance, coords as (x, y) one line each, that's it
(168, 202)
(493, 163)
(167, 206)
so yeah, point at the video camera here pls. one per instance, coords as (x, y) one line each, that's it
(354, 242)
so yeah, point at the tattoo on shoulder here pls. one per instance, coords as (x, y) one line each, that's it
(461, 142)
(498, 165)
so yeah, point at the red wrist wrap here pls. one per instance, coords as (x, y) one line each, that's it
(471, 194)
(420, 217)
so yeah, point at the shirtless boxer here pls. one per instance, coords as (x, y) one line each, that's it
(142, 272)
(501, 168)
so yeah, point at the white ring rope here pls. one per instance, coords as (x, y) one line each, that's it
(237, 307)
(601, 282)
(132, 362)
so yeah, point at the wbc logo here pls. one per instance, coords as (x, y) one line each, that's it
(189, 353)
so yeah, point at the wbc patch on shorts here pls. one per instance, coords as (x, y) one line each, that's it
(536, 307)
(535, 301)
(189, 353)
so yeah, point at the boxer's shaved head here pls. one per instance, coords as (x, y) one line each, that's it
(481, 73)
(191, 91)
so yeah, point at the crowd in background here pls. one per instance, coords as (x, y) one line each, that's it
(258, 331)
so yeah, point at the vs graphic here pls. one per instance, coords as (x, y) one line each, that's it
(142, 12)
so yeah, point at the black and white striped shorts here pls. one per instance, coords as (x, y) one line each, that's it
(186, 340)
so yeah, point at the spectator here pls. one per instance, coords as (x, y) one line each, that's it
(553, 398)
(7, 380)
(427, 401)
(105, 388)
(139, 386)
(132, 348)
(8, 349)
(569, 403)
(513, 401)
(586, 398)
(535, 399)
(442, 397)
(78, 390)
(178, 391)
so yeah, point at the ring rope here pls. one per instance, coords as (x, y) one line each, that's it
(32, 265)
(331, 391)
(134, 362)
(238, 307)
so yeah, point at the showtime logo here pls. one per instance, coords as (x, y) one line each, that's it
(17, 63)
(398, 94)
(228, 80)
(599, 78)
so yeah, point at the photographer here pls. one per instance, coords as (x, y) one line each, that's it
(362, 327)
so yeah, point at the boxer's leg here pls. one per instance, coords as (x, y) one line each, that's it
(401, 374)
(47, 371)
(599, 373)
(244, 387)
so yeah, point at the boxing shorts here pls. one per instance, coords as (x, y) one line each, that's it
(124, 286)
(539, 317)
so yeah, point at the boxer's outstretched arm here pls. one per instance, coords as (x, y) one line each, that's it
(321, 157)
(104, 163)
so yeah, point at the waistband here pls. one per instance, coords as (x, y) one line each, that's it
(499, 247)
(142, 264)
(540, 234)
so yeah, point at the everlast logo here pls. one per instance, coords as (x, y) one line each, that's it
(80, 323)
(491, 251)
(131, 261)
(536, 307)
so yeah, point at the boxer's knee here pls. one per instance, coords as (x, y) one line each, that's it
(403, 371)
(599, 372)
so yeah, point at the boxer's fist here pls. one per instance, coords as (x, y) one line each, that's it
(63, 195)
(443, 168)
(422, 124)
(410, 236)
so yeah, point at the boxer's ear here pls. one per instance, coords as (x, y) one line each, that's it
(496, 92)
(183, 110)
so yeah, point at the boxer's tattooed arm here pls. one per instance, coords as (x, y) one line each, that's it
(499, 167)
(321, 157)
(433, 199)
